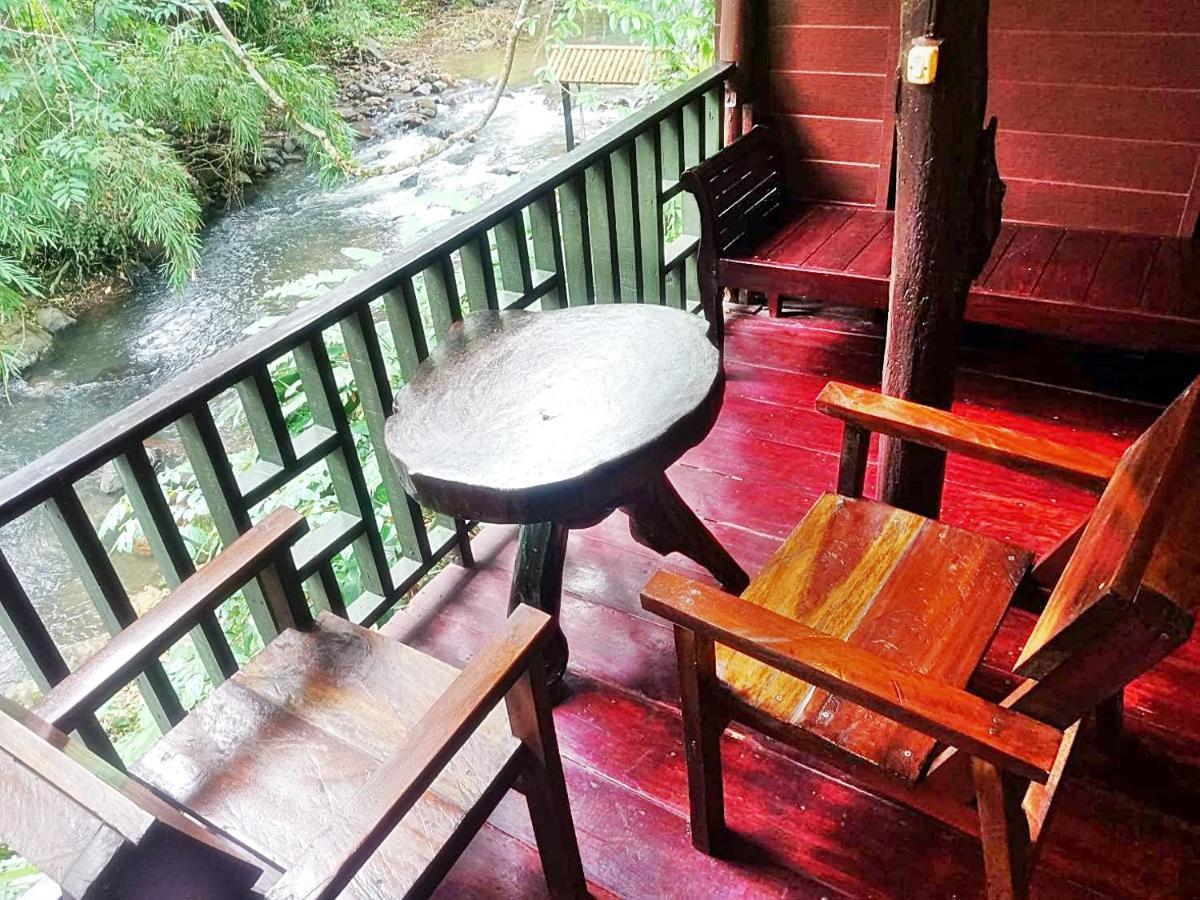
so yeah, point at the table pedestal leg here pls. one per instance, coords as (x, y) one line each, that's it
(537, 581)
(660, 520)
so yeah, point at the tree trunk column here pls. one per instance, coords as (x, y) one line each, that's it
(946, 188)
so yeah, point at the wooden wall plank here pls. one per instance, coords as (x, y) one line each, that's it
(1081, 15)
(843, 182)
(824, 48)
(1090, 206)
(1138, 113)
(831, 138)
(825, 94)
(823, 12)
(1113, 162)
(1144, 59)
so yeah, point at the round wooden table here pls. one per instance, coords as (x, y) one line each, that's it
(554, 419)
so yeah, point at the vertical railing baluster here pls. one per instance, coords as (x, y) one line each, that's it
(217, 481)
(479, 275)
(408, 331)
(27, 632)
(693, 146)
(714, 105)
(627, 227)
(671, 165)
(265, 418)
(375, 394)
(580, 289)
(40, 655)
(442, 292)
(512, 249)
(650, 215)
(326, 592)
(547, 247)
(88, 557)
(598, 184)
(345, 470)
(170, 551)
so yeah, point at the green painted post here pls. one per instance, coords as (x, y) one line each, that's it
(650, 215)
(598, 187)
(580, 289)
(218, 484)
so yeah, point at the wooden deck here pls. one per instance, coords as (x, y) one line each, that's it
(1137, 291)
(805, 831)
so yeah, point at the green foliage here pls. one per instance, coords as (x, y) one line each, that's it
(96, 98)
(322, 30)
(679, 31)
(96, 101)
(16, 875)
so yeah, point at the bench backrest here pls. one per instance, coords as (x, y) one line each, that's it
(739, 192)
(740, 188)
(1129, 592)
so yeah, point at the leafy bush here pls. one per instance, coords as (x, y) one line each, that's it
(94, 99)
(324, 29)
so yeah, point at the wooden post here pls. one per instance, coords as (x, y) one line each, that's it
(947, 214)
(731, 49)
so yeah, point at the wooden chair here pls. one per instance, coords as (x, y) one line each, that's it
(337, 762)
(857, 638)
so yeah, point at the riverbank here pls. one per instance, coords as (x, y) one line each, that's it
(382, 85)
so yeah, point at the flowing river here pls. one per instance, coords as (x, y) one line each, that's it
(288, 229)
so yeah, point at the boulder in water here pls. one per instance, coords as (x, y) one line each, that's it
(53, 319)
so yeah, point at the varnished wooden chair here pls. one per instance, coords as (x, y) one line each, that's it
(337, 763)
(858, 637)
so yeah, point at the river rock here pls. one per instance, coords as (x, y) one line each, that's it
(289, 145)
(347, 112)
(110, 479)
(362, 130)
(371, 89)
(426, 107)
(439, 86)
(373, 49)
(423, 89)
(53, 319)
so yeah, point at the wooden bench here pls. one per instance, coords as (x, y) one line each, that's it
(1139, 292)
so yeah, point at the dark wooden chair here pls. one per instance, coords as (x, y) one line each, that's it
(857, 638)
(337, 763)
(1123, 290)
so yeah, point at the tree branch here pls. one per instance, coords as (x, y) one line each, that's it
(347, 164)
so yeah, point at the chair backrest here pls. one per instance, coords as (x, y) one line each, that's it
(1136, 569)
(98, 832)
(739, 187)
(738, 191)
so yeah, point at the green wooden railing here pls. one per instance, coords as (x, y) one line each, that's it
(607, 223)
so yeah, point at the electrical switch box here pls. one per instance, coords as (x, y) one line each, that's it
(922, 63)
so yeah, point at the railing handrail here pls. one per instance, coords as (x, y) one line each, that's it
(37, 481)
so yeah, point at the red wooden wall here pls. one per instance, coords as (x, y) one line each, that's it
(1099, 105)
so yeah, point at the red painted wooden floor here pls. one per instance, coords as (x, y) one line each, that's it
(804, 832)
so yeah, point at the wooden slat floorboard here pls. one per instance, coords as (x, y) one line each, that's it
(805, 831)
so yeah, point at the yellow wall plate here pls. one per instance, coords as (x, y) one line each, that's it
(922, 63)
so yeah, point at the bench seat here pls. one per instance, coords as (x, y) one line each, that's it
(1139, 292)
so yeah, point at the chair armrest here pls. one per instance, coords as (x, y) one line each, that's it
(943, 430)
(336, 855)
(990, 732)
(128, 652)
